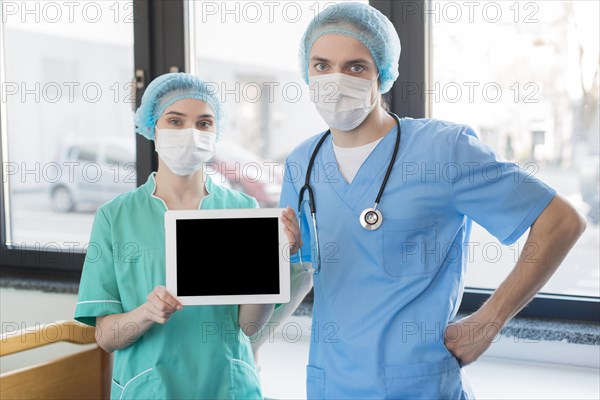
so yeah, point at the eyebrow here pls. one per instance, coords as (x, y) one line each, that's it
(320, 59)
(358, 61)
(349, 62)
(183, 115)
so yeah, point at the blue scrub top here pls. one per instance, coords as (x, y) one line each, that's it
(384, 297)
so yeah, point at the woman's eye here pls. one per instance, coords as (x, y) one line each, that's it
(204, 124)
(174, 121)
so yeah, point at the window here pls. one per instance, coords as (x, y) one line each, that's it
(249, 51)
(524, 75)
(540, 57)
(68, 104)
(543, 56)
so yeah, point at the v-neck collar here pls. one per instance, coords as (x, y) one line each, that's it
(151, 188)
(368, 178)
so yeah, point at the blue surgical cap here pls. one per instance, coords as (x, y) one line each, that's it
(168, 89)
(365, 24)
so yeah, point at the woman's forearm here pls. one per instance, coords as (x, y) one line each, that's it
(117, 331)
(252, 317)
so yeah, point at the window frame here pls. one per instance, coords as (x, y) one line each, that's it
(158, 48)
(161, 44)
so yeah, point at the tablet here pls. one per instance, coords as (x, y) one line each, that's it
(230, 256)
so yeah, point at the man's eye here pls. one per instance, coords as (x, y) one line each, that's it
(320, 67)
(357, 68)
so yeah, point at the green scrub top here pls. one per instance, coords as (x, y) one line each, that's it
(201, 352)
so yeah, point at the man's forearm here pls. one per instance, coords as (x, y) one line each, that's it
(252, 317)
(551, 237)
(301, 283)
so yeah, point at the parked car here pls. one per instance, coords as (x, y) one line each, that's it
(93, 171)
(247, 173)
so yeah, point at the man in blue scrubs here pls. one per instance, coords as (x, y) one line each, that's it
(384, 297)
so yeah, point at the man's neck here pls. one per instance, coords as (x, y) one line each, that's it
(374, 127)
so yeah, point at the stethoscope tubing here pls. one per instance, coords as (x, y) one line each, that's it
(311, 196)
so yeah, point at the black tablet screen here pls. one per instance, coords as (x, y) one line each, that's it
(244, 254)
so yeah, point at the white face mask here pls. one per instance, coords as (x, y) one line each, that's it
(343, 101)
(184, 150)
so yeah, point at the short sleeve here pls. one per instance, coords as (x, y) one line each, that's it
(499, 195)
(98, 292)
(289, 197)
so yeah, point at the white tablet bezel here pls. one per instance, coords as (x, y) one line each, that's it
(171, 216)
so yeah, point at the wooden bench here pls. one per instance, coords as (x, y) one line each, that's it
(84, 375)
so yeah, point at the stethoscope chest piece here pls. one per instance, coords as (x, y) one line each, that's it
(371, 219)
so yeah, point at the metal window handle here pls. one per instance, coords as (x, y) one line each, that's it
(139, 82)
(140, 79)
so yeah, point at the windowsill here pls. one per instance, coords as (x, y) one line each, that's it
(530, 329)
(67, 283)
(523, 329)
(550, 330)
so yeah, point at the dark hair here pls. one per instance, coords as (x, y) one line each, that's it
(386, 101)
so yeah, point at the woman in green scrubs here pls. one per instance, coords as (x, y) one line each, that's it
(163, 350)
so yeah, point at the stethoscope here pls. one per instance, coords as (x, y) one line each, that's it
(370, 219)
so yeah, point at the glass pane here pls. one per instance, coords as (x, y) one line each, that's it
(524, 75)
(249, 51)
(69, 104)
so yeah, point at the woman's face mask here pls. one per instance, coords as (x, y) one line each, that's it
(343, 101)
(184, 150)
